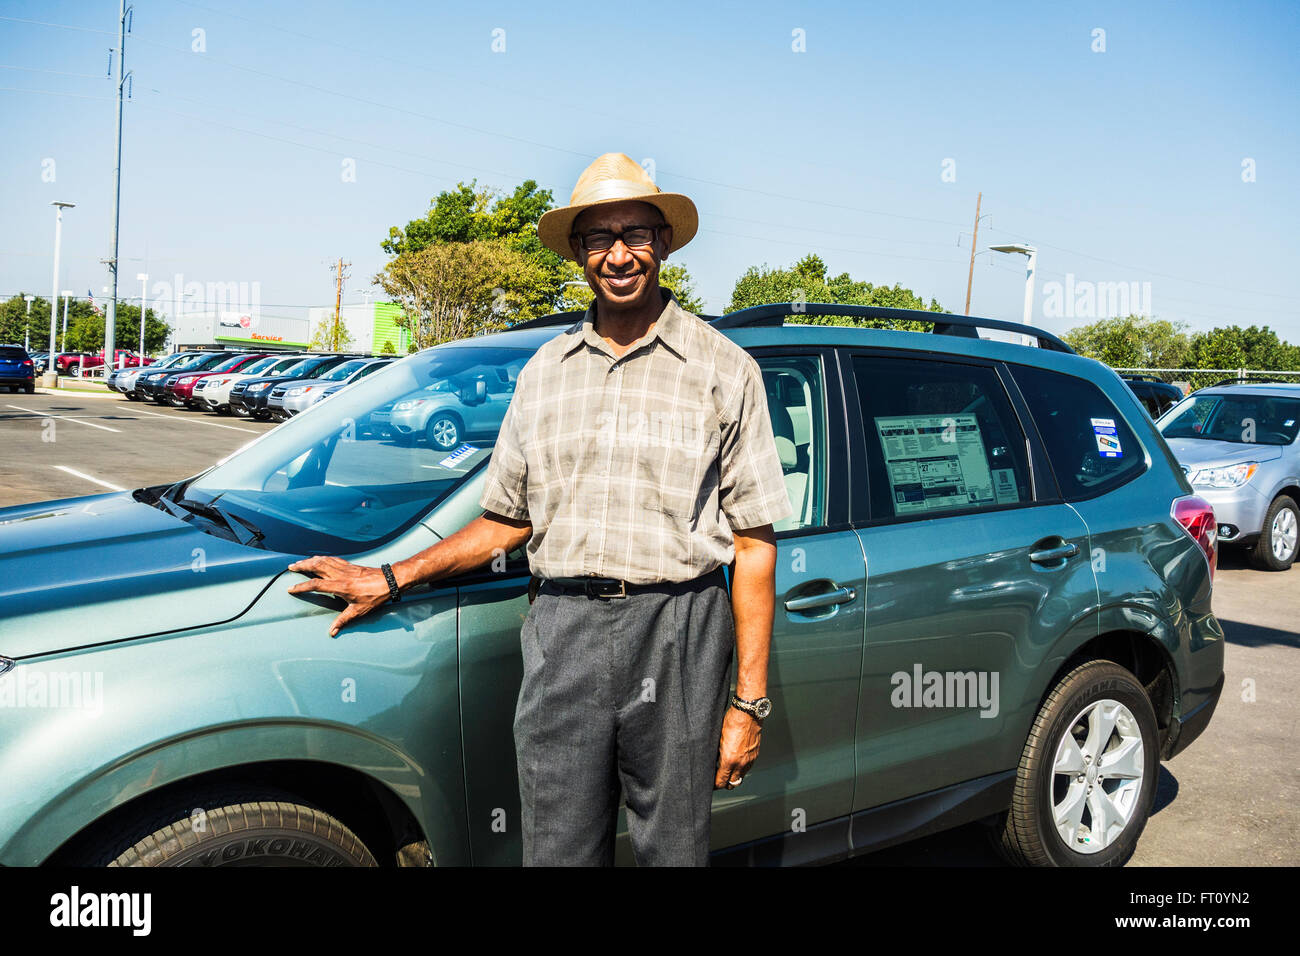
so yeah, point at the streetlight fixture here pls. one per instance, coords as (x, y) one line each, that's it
(51, 377)
(63, 340)
(27, 335)
(1031, 252)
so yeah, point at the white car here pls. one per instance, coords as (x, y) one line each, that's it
(215, 391)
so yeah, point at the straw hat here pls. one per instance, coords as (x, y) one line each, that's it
(613, 178)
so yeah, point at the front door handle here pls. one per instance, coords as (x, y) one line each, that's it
(1051, 555)
(825, 599)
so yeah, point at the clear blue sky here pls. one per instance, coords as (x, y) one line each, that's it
(1122, 166)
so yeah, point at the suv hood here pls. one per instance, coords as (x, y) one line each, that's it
(1204, 453)
(102, 568)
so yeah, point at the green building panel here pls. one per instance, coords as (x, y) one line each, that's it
(386, 328)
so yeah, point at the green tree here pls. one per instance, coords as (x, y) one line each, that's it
(1133, 341)
(85, 326)
(1255, 347)
(470, 213)
(86, 329)
(807, 282)
(453, 290)
(329, 337)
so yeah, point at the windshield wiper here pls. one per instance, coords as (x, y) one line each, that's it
(245, 531)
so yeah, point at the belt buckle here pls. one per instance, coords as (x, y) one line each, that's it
(592, 592)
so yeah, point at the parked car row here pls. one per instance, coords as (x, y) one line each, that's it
(260, 385)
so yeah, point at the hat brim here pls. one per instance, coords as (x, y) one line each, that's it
(556, 225)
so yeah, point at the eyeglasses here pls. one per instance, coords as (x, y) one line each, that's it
(600, 240)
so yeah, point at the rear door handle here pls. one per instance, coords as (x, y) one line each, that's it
(825, 599)
(1058, 553)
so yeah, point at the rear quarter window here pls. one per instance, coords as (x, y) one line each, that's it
(1091, 448)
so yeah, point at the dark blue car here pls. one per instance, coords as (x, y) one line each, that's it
(16, 369)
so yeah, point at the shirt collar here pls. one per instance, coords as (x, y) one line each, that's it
(670, 328)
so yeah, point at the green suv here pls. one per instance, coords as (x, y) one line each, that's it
(993, 604)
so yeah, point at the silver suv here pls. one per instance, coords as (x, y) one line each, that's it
(1237, 444)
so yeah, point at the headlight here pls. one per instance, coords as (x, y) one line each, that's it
(1229, 476)
(406, 406)
(297, 391)
(185, 381)
(259, 386)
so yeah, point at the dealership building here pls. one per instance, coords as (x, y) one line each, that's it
(371, 327)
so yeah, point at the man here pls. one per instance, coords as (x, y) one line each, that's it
(635, 460)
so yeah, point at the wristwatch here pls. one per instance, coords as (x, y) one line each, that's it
(758, 709)
(394, 594)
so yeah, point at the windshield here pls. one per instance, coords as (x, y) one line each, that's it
(261, 365)
(343, 371)
(1241, 419)
(231, 363)
(304, 366)
(282, 366)
(350, 473)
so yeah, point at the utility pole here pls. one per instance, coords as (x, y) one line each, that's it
(339, 276)
(110, 316)
(970, 276)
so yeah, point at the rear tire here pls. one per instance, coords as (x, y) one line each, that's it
(254, 833)
(1087, 776)
(1279, 536)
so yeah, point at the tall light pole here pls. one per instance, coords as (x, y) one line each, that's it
(63, 340)
(144, 295)
(110, 318)
(27, 338)
(51, 377)
(1032, 254)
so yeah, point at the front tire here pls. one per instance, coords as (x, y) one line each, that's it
(260, 833)
(1087, 776)
(444, 431)
(1279, 537)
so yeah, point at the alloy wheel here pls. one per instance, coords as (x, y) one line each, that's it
(1097, 776)
(1283, 534)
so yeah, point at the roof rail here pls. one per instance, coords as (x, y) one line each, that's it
(1262, 380)
(546, 321)
(944, 323)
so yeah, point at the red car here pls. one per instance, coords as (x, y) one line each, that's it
(179, 391)
(72, 363)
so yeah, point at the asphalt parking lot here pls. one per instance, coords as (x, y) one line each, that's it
(1232, 799)
(63, 445)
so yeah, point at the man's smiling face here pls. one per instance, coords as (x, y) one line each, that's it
(623, 277)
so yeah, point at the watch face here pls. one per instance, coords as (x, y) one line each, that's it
(764, 707)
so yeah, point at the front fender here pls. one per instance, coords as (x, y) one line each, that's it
(382, 698)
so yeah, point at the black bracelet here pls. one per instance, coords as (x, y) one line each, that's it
(393, 592)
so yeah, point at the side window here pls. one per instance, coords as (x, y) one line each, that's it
(1091, 448)
(797, 407)
(941, 437)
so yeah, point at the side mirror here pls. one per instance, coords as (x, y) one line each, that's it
(480, 391)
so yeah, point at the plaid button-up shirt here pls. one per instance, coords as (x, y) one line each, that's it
(637, 467)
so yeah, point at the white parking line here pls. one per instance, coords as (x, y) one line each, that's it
(73, 471)
(196, 421)
(64, 418)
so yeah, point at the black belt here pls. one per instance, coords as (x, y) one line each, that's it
(594, 587)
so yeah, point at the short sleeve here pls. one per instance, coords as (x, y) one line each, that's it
(505, 487)
(751, 481)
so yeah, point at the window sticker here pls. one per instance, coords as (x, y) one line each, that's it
(457, 456)
(1107, 438)
(935, 462)
(1004, 486)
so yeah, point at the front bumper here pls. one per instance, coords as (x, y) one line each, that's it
(1239, 512)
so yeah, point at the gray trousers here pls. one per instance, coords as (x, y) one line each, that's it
(622, 691)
